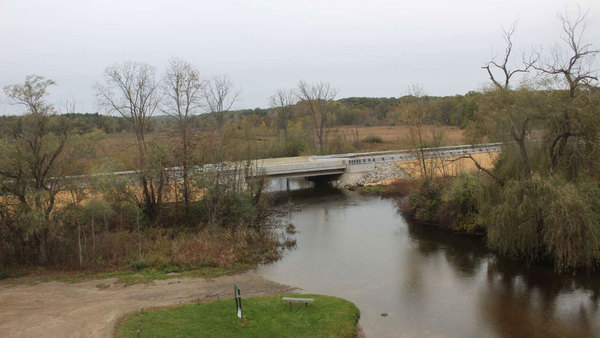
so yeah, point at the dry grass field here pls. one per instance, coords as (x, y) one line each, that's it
(123, 146)
(449, 166)
(395, 137)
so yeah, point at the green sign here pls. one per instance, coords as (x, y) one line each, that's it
(238, 300)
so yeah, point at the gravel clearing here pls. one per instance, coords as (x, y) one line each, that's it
(93, 308)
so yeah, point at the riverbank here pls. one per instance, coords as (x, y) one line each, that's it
(446, 203)
(155, 253)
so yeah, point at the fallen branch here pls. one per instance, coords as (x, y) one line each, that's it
(480, 167)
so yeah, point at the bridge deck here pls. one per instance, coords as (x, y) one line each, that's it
(309, 166)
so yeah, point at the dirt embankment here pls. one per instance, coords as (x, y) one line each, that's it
(58, 309)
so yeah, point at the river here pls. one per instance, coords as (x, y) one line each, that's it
(428, 282)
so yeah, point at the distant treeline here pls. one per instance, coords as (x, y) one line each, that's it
(455, 110)
(86, 122)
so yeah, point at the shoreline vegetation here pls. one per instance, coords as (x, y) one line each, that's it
(172, 253)
(182, 251)
(460, 204)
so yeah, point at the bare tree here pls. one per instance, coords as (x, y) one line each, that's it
(220, 97)
(415, 114)
(182, 97)
(505, 110)
(575, 64)
(573, 67)
(283, 104)
(131, 90)
(316, 100)
(502, 81)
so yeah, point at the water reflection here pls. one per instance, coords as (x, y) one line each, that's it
(533, 301)
(431, 283)
(519, 300)
(464, 253)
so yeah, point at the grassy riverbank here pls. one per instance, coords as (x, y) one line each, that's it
(125, 276)
(265, 317)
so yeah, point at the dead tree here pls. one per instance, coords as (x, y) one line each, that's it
(502, 82)
(131, 90)
(220, 96)
(501, 74)
(316, 100)
(283, 105)
(182, 98)
(573, 67)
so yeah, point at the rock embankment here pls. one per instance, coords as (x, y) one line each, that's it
(383, 171)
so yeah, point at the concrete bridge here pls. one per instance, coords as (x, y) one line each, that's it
(330, 165)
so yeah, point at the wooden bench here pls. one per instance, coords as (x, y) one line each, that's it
(297, 300)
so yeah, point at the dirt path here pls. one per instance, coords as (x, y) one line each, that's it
(58, 309)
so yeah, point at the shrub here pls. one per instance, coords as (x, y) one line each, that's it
(339, 145)
(294, 147)
(424, 201)
(138, 265)
(400, 187)
(373, 139)
(461, 203)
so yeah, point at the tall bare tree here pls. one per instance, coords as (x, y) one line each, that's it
(283, 105)
(415, 114)
(501, 72)
(507, 113)
(131, 90)
(573, 67)
(182, 97)
(220, 95)
(316, 100)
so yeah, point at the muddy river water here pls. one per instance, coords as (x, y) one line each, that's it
(428, 282)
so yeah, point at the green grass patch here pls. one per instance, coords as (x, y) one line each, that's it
(373, 139)
(372, 189)
(147, 275)
(265, 317)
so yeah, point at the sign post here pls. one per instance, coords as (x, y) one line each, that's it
(238, 301)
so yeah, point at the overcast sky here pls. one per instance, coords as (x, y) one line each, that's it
(363, 48)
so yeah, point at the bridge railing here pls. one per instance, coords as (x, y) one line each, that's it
(414, 154)
(494, 145)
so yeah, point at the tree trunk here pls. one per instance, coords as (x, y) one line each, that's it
(139, 235)
(93, 243)
(423, 162)
(42, 239)
(79, 243)
(186, 183)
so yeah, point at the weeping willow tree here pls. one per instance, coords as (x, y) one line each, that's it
(546, 219)
(544, 204)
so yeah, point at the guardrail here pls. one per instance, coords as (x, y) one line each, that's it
(430, 153)
(412, 150)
